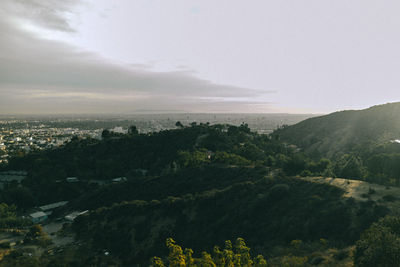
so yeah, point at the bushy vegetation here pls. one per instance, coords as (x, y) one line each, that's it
(266, 212)
(379, 246)
(237, 255)
(361, 144)
(9, 218)
(202, 185)
(185, 181)
(36, 236)
(157, 154)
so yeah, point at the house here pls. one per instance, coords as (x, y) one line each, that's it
(119, 179)
(72, 216)
(38, 217)
(52, 206)
(72, 180)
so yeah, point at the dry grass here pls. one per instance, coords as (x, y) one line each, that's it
(362, 191)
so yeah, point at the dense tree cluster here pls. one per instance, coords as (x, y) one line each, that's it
(361, 144)
(157, 154)
(9, 218)
(201, 184)
(267, 212)
(379, 246)
(237, 255)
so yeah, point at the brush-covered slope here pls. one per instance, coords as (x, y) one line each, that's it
(345, 131)
(266, 212)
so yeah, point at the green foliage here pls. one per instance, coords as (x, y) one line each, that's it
(358, 143)
(118, 155)
(20, 196)
(230, 159)
(9, 218)
(349, 166)
(201, 184)
(238, 257)
(193, 159)
(383, 167)
(183, 182)
(156, 262)
(296, 243)
(132, 130)
(158, 154)
(307, 211)
(389, 198)
(19, 260)
(345, 131)
(36, 235)
(179, 124)
(293, 261)
(380, 244)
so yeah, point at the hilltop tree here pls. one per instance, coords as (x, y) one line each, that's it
(105, 134)
(179, 124)
(133, 130)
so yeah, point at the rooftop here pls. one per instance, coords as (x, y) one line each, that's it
(38, 214)
(53, 205)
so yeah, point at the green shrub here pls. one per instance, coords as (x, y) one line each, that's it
(389, 198)
(380, 244)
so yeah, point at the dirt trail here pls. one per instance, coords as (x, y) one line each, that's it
(363, 191)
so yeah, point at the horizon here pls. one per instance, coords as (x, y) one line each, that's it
(157, 112)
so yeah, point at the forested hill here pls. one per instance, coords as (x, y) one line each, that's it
(201, 185)
(345, 131)
(160, 154)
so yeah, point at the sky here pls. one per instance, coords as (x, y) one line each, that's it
(166, 56)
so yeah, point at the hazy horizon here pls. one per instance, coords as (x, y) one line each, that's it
(136, 57)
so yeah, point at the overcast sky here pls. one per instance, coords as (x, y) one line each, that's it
(134, 56)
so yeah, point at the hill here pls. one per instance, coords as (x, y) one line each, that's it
(200, 185)
(267, 212)
(345, 131)
(184, 160)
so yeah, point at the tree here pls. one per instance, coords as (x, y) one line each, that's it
(175, 257)
(105, 134)
(380, 244)
(179, 124)
(37, 235)
(133, 130)
(156, 262)
(230, 257)
(349, 166)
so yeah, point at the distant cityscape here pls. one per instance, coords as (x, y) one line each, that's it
(23, 134)
(14, 140)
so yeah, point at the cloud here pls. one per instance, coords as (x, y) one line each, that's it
(40, 76)
(50, 14)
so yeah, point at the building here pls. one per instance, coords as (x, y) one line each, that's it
(72, 180)
(38, 217)
(52, 206)
(72, 216)
(119, 179)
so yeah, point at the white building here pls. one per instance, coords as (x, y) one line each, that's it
(72, 216)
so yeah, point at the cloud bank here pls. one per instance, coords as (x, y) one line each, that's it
(39, 75)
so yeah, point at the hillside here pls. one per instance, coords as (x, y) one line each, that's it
(200, 185)
(267, 213)
(345, 131)
(163, 159)
(364, 191)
